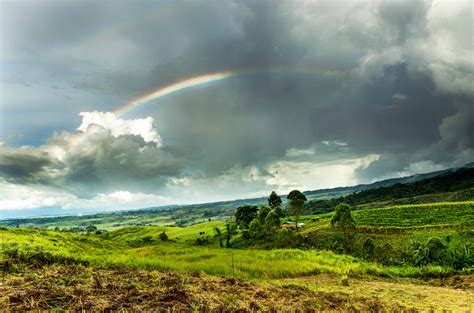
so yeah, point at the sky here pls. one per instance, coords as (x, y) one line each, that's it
(315, 94)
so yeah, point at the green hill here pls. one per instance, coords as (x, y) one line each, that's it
(454, 186)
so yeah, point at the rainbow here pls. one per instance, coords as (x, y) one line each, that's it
(203, 80)
(215, 77)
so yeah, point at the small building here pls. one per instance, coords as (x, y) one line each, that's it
(290, 225)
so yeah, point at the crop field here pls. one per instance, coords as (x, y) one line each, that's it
(447, 213)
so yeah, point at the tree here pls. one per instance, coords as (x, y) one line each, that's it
(219, 235)
(274, 201)
(296, 200)
(343, 218)
(245, 215)
(272, 222)
(230, 230)
(262, 214)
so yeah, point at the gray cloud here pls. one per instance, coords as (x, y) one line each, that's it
(23, 165)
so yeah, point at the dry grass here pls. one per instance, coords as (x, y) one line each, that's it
(74, 287)
(455, 293)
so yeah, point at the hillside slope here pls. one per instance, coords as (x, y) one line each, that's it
(458, 184)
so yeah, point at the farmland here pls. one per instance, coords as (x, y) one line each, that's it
(449, 214)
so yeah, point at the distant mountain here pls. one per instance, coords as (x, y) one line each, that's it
(382, 183)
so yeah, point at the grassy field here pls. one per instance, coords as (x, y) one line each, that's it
(306, 273)
(126, 247)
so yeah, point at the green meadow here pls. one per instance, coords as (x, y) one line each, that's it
(141, 247)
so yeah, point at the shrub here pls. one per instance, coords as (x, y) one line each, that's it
(39, 258)
(462, 258)
(436, 250)
(420, 253)
(147, 239)
(163, 236)
(384, 254)
(369, 247)
(201, 241)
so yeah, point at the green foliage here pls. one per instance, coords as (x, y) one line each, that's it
(262, 214)
(437, 250)
(342, 218)
(147, 239)
(369, 248)
(231, 229)
(245, 215)
(450, 213)
(460, 180)
(272, 221)
(274, 201)
(462, 257)
(91, 228)
(163, 236)
(296, 201)
(39, 258)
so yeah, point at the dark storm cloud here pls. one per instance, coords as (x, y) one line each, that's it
(22, 165)
(397, 94)
(105, 162)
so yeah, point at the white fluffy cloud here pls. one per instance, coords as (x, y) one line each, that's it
(139, 127)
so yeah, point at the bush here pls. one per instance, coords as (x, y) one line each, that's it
(384, 254)
(462, 258)
(39, 258)
(201, 241)
(437, 252)
(369, 247)
(147, 239)
(163, 236)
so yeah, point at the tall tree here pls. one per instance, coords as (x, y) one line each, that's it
(274, 201)
(231, 230)
(296, 200)
(343, 218)
(219, 235)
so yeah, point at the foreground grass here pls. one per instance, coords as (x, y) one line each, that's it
(27, 287)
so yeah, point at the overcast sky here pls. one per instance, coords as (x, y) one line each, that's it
(398, 98)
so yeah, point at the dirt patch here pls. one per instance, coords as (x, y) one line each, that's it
(464, 282)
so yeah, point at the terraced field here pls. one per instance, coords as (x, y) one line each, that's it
(446, 213)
